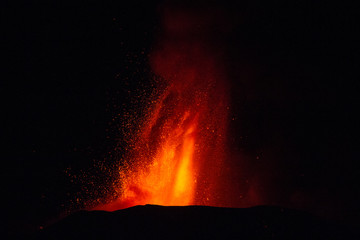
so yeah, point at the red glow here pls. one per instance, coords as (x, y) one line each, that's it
(178, 155)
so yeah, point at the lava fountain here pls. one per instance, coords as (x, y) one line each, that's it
(178, 153)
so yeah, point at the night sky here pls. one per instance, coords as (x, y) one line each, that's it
(72, 69)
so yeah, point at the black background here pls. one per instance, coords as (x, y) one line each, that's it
(72, 68)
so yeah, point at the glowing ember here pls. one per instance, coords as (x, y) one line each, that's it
(179, 152)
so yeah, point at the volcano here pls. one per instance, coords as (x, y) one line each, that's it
(195, 222)
(180, 103)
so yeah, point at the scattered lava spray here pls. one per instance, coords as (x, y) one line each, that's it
(177, 155)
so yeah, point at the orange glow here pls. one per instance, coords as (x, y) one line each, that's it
(177, 155)
(169, 179)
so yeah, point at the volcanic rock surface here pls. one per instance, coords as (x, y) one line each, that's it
(195, 222)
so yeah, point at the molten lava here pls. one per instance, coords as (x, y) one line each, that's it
(169, 178)
(177, 156)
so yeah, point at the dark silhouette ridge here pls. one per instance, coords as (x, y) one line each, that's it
(195, 222)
